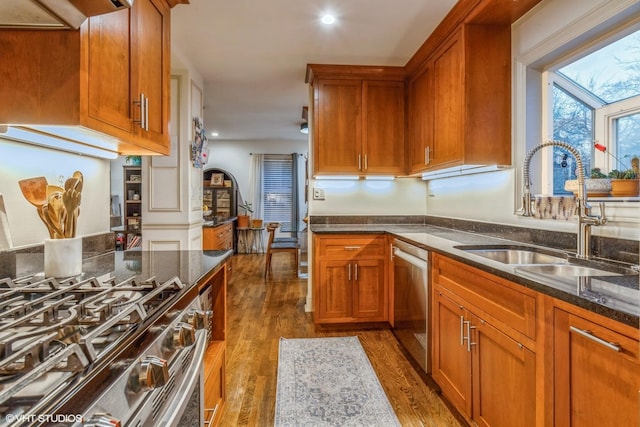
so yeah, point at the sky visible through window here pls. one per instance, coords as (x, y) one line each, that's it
(611, 73)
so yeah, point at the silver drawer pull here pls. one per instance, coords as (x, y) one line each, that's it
(589, 335)
(351, 248)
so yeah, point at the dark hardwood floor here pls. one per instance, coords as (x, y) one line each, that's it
(261, 311)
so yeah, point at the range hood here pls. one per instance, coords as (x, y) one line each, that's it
(54, 14)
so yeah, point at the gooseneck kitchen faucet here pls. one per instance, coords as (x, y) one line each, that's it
(585, 218)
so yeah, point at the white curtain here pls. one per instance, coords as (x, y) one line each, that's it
(255, 185)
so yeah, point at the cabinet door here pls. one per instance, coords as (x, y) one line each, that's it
(338, 130)
(597, 374)
(448, 103)
(106, 40)
(208, 239)
(504, 380)
(214, 384)
(383, 127)
(369, 296)
(420, 119)
(150, 68)
(451, 359)
(334, 290)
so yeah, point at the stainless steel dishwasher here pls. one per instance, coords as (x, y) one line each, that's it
(411, 296)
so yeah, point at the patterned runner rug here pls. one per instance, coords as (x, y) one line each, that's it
(329, 382)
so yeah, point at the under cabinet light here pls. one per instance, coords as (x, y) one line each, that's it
(337, 177)
(461, 170)
(380, 177)
(43, 139)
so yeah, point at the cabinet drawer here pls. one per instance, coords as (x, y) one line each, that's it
(218, 237)
(350, 247)
(497, 297)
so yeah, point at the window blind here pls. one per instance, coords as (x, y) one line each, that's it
(278, 190)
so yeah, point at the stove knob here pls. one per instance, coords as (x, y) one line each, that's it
(182, 335)
(102, 420)
(197, 318)
(152, 372)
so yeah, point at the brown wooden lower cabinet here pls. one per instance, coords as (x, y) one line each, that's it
(505, 355)
(214, 394)
(214, 383)
(596, 370)
(487, 375)
(350, 279)
(217, 238)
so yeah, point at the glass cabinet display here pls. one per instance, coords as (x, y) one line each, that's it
(218, 200)
(218, 196)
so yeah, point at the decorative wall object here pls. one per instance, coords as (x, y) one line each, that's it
(217, 179)
(199, 150)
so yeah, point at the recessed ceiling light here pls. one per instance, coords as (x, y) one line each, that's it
(328, 19)
(214, 133)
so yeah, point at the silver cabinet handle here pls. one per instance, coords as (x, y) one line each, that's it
(212, 411)
(142, 102)
(359, 161)
(349, 271)
(468, 338)
(146, 113)
(461, 330)
(356, 272)
(427, 155)
(366, 162)
(589, 335)
(351, 248)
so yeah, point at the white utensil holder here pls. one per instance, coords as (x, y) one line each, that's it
(63, 257)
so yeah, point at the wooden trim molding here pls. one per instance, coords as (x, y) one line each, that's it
(173, 3)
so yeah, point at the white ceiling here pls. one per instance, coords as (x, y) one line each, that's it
(253, 54)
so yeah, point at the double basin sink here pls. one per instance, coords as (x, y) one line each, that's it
(547, 263)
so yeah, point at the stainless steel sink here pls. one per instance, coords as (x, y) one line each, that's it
(515, 255)
(566, 270)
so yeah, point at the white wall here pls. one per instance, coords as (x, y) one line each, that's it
(235, 157)
(19, 161)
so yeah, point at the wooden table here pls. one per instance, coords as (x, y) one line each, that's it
(250, 240)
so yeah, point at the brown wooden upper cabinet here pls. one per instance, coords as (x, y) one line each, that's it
(112, 76)
(459, 101)
(358, 120)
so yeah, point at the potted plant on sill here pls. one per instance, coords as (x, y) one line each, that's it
(598, 185)
(624, 183)
(243, 220)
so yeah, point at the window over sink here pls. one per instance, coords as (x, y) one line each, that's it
(577, 80)
(595, 99)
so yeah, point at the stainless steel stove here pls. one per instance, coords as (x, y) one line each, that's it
(98, 352)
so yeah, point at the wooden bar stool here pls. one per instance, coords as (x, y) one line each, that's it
(275, 246)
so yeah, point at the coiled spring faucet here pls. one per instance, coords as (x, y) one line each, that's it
(585, 218)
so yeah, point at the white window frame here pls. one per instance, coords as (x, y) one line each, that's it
(549, 37)
(604, 129)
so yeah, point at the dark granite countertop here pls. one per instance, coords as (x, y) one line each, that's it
(188, 266)
(616, 297)
(217, 223)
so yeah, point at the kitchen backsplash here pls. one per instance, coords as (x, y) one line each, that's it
(91, 246)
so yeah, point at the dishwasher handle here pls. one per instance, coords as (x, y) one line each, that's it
(411, 259)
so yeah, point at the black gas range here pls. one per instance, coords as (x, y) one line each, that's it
(102, 349)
